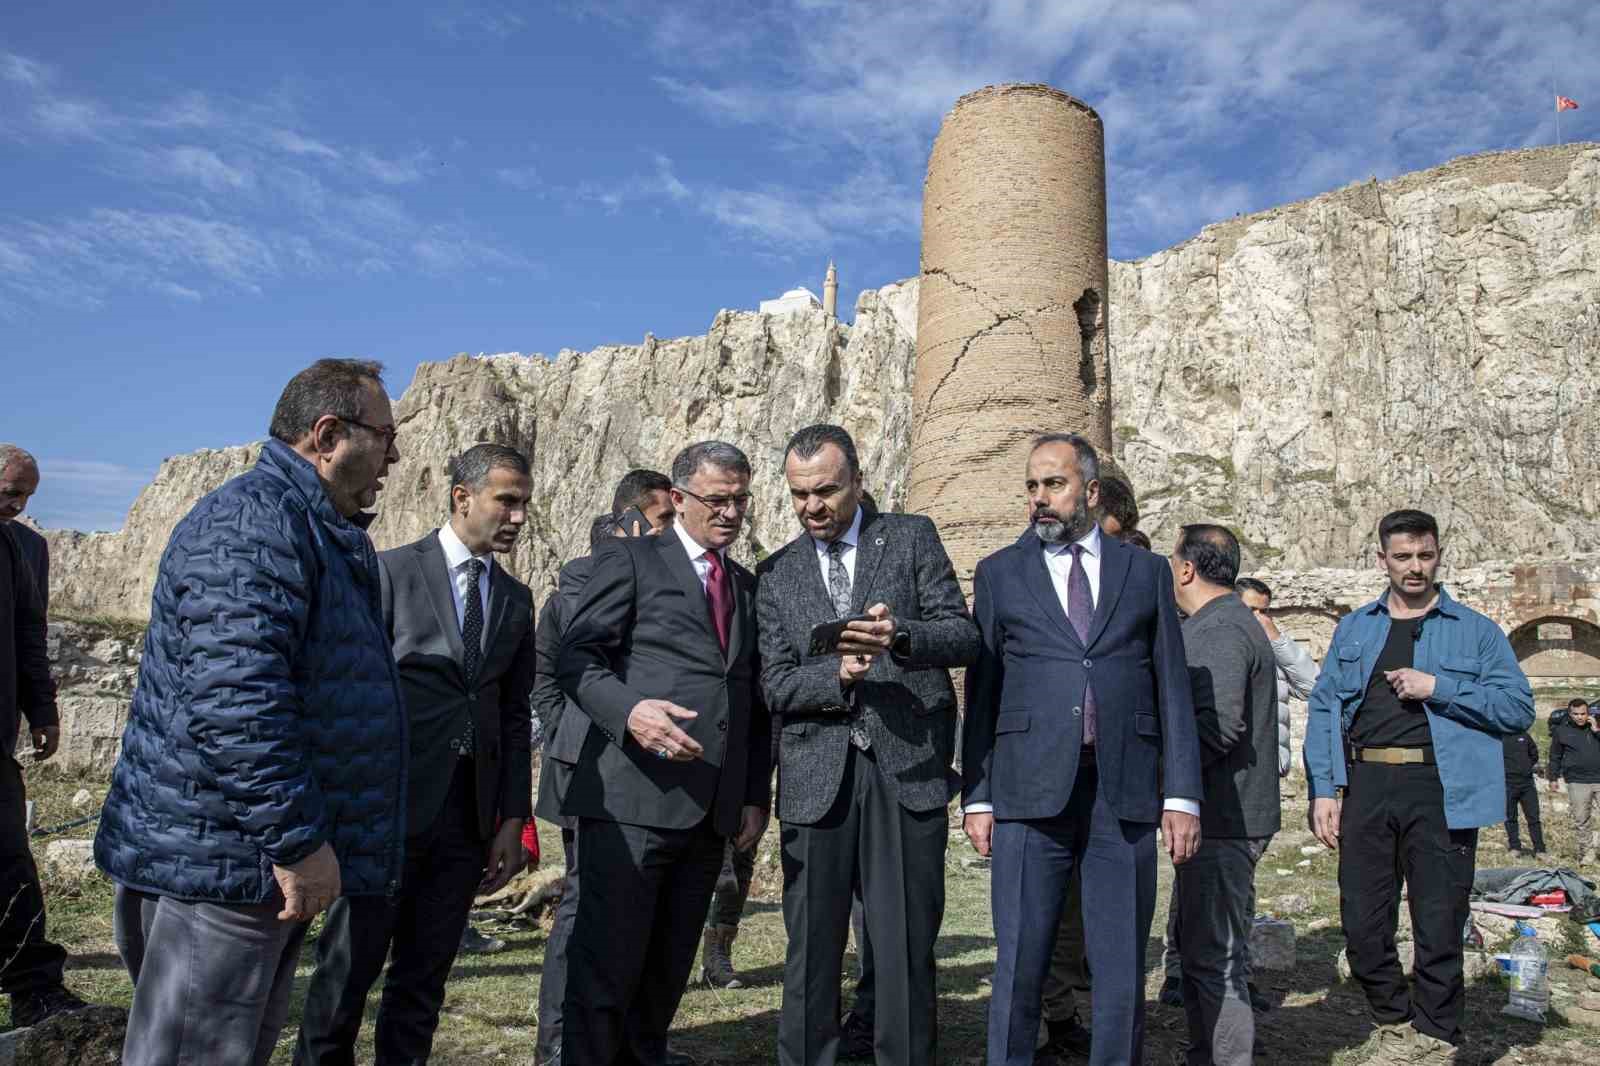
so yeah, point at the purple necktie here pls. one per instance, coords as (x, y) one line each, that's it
(1080, 612)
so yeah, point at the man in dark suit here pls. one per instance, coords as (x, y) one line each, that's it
(1079, 721)
(462, 630)
(648, 491)
(866, 748)
(660, 653)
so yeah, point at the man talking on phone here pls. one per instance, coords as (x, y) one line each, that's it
(868, 738)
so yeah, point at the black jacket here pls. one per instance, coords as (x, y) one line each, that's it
(1522, 757)
(26, 688)
(562, 746)
(420, 613)
(642, 630)
(1575, 754)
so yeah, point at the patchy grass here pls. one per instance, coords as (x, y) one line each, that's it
(490, 1010)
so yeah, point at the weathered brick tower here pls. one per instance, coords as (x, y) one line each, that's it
(1011, 323)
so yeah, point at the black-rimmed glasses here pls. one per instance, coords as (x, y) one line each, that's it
(388, 433)
(720, 503)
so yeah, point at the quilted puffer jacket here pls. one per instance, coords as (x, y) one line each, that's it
(267, 718)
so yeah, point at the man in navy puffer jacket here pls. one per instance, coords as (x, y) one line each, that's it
(263, 765)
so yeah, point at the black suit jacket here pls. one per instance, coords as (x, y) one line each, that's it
(642, 630)
(419, 610)
(1024, 725)
(562, 746)
(909, 701)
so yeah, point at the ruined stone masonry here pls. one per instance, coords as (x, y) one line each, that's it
(1011, 324)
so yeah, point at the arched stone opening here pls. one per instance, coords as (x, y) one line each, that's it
(1560, 655)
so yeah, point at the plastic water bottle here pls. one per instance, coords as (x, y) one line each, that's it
(1530, 977)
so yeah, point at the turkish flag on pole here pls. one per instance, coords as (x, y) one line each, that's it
(1565, 103)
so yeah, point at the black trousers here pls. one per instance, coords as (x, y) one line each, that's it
(34, 963)
(898, 857)
(553, 977)
(422, 926)
(1392, 827)
(1523, 792)
(646, 892)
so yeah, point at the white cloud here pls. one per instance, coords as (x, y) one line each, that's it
(206, 167)
(298, 144)
(84, 493)
(23, 71)
(525, 178)
(463, 21)
(402, 170)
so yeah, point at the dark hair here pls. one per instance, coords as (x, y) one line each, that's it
(1577, 701)
(1138, 538)
(809, 441)
(601, 527)
(635, 488)
(1416, 523)
(1116, 500)
(471, 468)
(1253, 584)
(715, 453)
(1088, 458)
(326, 387)
(1213, 550)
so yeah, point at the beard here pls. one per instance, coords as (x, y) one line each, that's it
(1067, 527)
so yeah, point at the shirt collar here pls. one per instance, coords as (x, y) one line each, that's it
(457, 553)
(849, 538)
(695, 549)
(1090, 542)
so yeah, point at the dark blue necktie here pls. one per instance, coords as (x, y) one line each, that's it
(1080, 612)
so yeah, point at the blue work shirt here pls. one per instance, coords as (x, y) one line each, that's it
(1480, 694)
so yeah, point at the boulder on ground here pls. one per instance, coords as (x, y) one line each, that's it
(89, 1037)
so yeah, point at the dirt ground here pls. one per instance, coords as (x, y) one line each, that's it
(490, 1012)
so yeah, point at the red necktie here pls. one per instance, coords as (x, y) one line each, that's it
(721, 597)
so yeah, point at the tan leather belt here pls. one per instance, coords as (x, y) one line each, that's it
(1394, 756)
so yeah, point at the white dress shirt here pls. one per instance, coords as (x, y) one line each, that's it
(848, 538)
(456, 555)
(697, 556)
(1058, 564)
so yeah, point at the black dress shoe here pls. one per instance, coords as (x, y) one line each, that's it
(855, 1039)
(1259, 1002)
(674, 1057)
(1065, 1039)
(30, 1008)
(1171, 992)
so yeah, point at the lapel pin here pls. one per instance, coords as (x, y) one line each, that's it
(878, 542)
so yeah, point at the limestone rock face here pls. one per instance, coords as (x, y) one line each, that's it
(1432, 340)
(95, 666)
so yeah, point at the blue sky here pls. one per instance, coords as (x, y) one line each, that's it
(198, 199)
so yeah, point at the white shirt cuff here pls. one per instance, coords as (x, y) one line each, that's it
(1186, 806)
(978, 808)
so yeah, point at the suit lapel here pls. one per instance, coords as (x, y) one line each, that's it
(1114, 562)
(805, 572)
(1036, 576)
(499, 601)
(739, 628)
(870, 544)
(436, 579)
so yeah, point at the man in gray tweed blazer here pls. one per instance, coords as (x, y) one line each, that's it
(868, 737)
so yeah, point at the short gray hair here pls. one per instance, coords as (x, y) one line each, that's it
(719, 454)
(12, 453)
(471, 468)
(1088, 458)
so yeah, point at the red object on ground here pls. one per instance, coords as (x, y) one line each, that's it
(1558, 898)
(530, 841)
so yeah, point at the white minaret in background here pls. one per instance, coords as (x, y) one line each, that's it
(830, 292)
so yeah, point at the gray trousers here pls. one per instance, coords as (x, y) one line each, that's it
(1584, 799)
(211, 981)
(1215, 909)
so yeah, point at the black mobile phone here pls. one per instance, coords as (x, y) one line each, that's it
(825, 635)
(626, 520)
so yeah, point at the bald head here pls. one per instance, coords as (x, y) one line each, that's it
(19, 480)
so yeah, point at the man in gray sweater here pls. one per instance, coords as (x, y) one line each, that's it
(1234, 675)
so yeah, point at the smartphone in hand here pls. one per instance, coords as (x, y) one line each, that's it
(825, 635)
(627, 519)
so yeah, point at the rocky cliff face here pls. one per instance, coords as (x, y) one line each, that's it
(1431, 340)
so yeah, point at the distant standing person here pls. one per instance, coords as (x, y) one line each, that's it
(1575, 756)
(1522, 766)
(30, 965)
(1418, 689)
(263, 765)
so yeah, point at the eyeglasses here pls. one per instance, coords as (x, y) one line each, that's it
(388, 433)
(720, 503)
